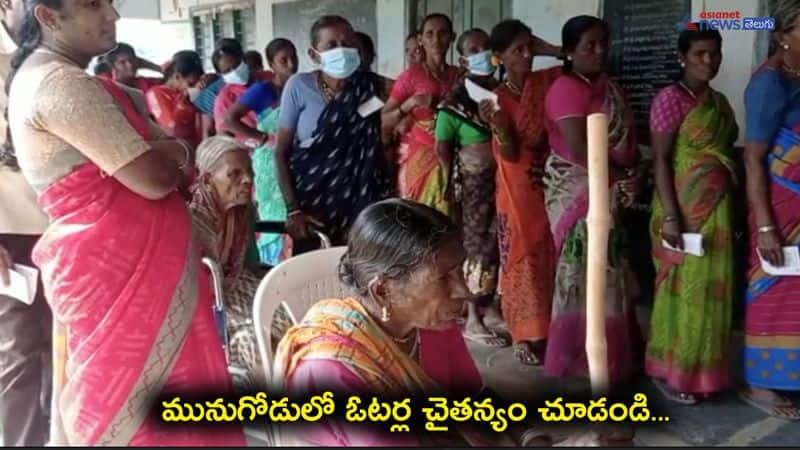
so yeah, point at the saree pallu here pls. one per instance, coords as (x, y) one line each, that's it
(341, 331)
(420, 177)
(130, 291)
(567, 200)
(342, 171)
(269, 199)
(691, 321)
(772, 320)
(527, 255)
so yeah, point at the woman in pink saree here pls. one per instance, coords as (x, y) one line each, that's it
(119, 263)
(582, 90)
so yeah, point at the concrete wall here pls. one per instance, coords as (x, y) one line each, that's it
(547, 16)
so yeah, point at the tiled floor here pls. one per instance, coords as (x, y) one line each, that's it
(721, 421)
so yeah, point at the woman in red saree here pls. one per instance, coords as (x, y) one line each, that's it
(119, 263)
(416, 92)
(527, 260)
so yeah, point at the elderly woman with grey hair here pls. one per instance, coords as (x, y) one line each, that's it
(223, 215)
(771, 155)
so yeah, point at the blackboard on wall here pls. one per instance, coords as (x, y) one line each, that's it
(643, 55)
(292, 20)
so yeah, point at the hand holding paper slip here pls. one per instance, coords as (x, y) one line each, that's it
(692, 244)
(478, 94)
(791, 263)
(24, 280)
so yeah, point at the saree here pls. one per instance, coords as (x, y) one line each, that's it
(691, 320)
(420, 177)
(772, 335)
(527, 257)
(341, 331)
(567, 200)
(226, 237)
(269, 200)
(126, 284)
(343, 170)
(472, 182)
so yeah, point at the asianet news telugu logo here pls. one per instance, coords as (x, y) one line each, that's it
(726, 20)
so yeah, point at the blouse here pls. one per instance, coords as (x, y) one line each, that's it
(61, 117)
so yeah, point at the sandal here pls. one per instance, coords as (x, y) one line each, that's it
(486, 339)
(783, 409)
(523, 352)
(673, 395)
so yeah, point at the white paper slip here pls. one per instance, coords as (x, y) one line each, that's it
(692, 244)
(24, 280)
(480, 94)
(369, 107)
(791, 263)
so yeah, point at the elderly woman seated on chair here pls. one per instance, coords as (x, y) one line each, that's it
(223, 216)
(396, 337)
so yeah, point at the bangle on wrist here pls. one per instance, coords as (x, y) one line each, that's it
(187, 155)
(294, 212)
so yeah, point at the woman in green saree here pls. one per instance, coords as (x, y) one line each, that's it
(693, 131)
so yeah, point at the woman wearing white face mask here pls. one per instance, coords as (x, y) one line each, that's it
(229, 60)
(463, 144)
(328, 154)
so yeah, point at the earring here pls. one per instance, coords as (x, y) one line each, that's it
(569, 58)
(785, 46)
(385, 314)
(683, 64)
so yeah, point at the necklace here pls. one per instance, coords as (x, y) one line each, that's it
(434, 75)
(327, 91)
(513, 88)
(688, 91)
(791, 71)
(404, 341)
(50, 50)
(582, 77)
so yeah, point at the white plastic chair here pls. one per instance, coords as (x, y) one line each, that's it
(296, 283)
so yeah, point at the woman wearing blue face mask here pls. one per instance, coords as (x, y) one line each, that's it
(328, 154)
(229, 60)
(463, 144)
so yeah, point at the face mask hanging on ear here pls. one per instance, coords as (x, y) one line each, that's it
(340, 62)
(240, 75)
(481, 63)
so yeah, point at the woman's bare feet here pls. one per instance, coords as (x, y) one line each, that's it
(493, 319)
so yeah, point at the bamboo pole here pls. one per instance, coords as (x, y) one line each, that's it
(598, 223)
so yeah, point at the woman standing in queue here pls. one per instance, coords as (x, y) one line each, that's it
(693, 130)
(584, 88)
(520, 149)
(263, 99)
(416, 92)
(772, 146)
(119, 263)
(463, 144)
(329, 157)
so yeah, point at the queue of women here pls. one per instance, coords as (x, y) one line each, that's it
(448, 208)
